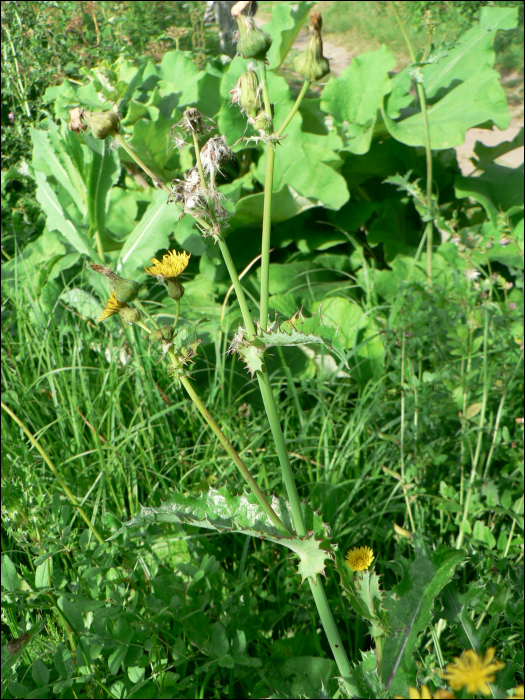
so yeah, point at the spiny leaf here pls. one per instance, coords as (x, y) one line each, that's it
(218, 510)
(298, 330)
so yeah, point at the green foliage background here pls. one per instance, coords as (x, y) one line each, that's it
(422, 430)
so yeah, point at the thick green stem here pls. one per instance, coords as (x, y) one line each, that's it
(329, 626)
(266, 232)
(429, 229)
(233, 454)
(239, 291)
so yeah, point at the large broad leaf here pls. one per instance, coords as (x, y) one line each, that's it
(410, 609)
(149, 236)
(287, 20)
(298, 677)
(55, 155)
(472, 51)
(356, 95)
(286, 203)
(219, 511)
(104, 172)
(58, 219)
(488, 154)
(478, 100)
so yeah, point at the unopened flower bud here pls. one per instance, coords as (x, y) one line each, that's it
(263, 122)
(175, 288)
(129, 315)
(250, 98)
(253, 42)
(102, 124)
(311, 64)
(167, 332)
(125, 290)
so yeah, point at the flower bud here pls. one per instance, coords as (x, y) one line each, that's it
(253, 42)
(175, 288)
(167, 332)
(129, 315)
(263, 122)
(126, 290)
(250, 98)
(102, 124)
(311, 64)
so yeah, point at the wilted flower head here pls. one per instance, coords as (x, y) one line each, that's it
(311, 64)
(214, 152)
(169, 270)
(193, 122)
(504, 242)
(473, 672)
(101, 124)
(125, 290)
(253, 42)
(128, 314)
(189, 192)
(360, 558)
(472, 274)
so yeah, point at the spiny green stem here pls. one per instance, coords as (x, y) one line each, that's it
(55, 471)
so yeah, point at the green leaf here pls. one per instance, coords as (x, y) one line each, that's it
(44, 573)
(487, 154)
(218, 510)
(40, 673)
(58, 220)
(286, 203)
(473, 50)
(149, 236)
(410, 609)
(298, 330)
(298, 677)
(478, 100)
(9, 574)
(497, 189)
(287, 20)
(54, 156)
(117, 657)
(356, 95)
(456, 612)
(64, 663)
(103, 174)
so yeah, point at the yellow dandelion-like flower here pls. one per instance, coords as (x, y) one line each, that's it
(472, 671)
(112, 307)
(172, 265)
(360, 558)
(518, 692)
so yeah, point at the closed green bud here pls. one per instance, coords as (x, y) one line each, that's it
(311, 64)
(167, 332)
(102, 124)
(125, 290)
(175, 288)
(129, 315)
(253, 42)
(263, 122)
(250, 99)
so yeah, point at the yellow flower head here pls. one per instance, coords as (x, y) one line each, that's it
(472, 671)
(360, 558)
(172, 265)
(112, 307)
(518, 692)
